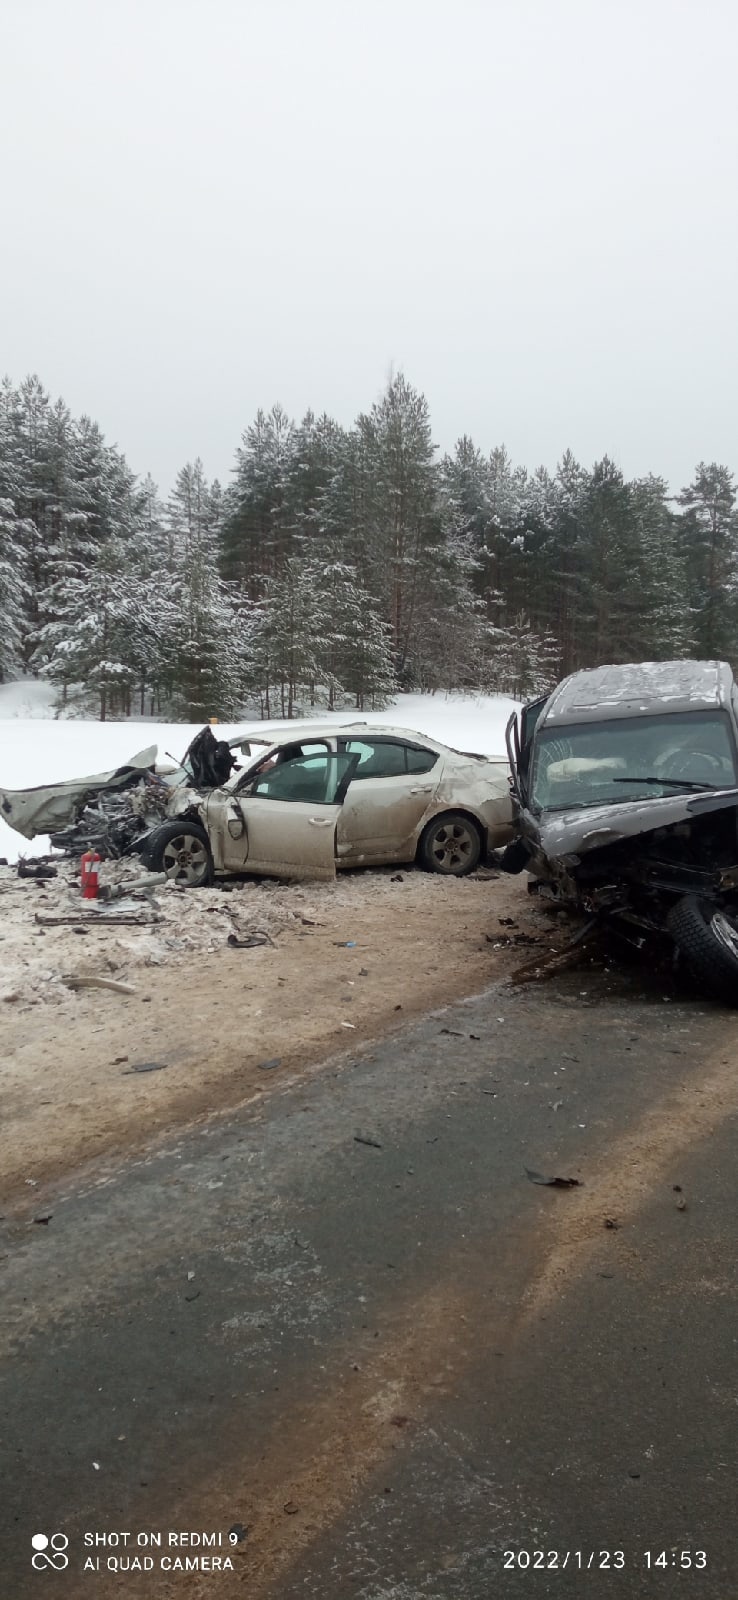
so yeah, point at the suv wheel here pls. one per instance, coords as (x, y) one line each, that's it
(707, 937)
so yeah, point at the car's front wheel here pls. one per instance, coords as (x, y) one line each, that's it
(451, 844)
(707, 937)
(182, 850)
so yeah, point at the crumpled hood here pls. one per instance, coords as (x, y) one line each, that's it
(576, 832)
(52, 806)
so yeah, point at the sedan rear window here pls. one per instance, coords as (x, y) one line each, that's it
(385, 758)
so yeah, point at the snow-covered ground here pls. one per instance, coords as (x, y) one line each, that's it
(35, 748)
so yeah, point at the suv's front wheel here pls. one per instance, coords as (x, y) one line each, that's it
(707, 937)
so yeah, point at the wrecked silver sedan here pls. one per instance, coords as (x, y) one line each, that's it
(625, 793)
(338, 797)
(295, 805)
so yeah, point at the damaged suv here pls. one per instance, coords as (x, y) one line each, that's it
(625, 795)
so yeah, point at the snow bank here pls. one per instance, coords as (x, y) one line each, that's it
(35, 749)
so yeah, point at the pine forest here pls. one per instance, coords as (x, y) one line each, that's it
(339, 566)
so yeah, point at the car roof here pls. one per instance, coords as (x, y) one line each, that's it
(305, 731)
(639, 689)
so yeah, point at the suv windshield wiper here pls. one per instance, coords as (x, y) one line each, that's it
(670, 783)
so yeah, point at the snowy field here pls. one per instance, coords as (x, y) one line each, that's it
(35, 748)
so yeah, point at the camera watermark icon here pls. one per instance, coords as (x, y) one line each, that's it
(49, 1552)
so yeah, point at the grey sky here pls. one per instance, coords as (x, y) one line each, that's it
(528, 205)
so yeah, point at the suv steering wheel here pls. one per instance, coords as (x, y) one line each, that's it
(692, 764)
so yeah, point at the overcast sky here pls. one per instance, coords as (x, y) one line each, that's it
(528, 205)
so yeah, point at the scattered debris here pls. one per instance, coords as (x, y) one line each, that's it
(146, 1066)
(100, 919)
(291, 1508)
(360, 1138)
(363, 972)
(611, 1223)
(268, 1066)
(44, 1221)
(397, 878)
(345, 944)
(556, 1104)
(250, 941)
(455, 1031)
(557, 960)
(237, 1532)
(552, 1183)
(398, 1421)
(35, 869)
(73, 982)
(681, 1204)
(146, 886)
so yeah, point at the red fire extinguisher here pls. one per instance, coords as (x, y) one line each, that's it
(89, 870)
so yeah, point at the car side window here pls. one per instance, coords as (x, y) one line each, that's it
(377, 758)
(298, 778)
(420, 760)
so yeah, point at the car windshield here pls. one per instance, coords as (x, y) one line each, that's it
(631, 758)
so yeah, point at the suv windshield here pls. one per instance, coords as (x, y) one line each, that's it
(636, 758)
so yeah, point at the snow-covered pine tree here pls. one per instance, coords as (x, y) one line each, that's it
(353, 655)
(399, 510)
(709, 542)
(661, 622)
(206, 647)
(258, 527)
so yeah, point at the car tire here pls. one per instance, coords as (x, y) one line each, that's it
(451, 844)
(708, 939)
(183, 845)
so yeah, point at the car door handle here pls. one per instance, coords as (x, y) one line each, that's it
(321, 822)
(426, 788)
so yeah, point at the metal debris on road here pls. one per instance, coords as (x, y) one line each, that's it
(250, 940)
(146, 1066)
(73, 982)
(360, 1138)
(35, 869)
(552, 1183)
(101, 919)
(268, 1066)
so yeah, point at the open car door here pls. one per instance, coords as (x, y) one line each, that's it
(283, 824)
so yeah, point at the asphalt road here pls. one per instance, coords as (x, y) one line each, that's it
(399, 1369)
